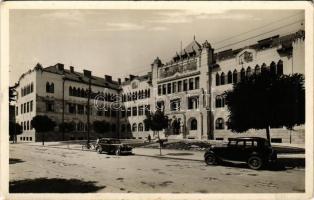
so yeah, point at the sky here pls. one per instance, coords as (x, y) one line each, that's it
(123, 42)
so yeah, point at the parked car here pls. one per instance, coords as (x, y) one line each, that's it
(112, 146)
(255, 151)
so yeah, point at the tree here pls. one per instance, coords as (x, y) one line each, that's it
(100, 126)
(67, 127)
(14, 130)
(266, 100)
(42, 124)
(156, 122)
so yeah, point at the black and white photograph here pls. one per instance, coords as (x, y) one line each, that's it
(157, 99)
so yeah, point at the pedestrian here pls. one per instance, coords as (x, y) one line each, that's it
(149, 138)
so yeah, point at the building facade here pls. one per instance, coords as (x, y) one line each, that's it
(188, 88)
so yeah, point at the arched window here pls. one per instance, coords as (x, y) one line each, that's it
(140, 127)
(193, 124)
(218, 102)
(272, 68)
(52, 88)
(27, 125)
(264, 68)
(280, 67)
(242, 74)
(70, 91)
(82, 93)
(248, 71)
(134, 127)
(78, 92)
(222, 78)
(74, 93)
(217, 79)
(229, 77)
(219, 123)
(47, 87)
(257, 69)
(235, 76)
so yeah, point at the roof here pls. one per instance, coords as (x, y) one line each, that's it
(79, 77)
(192, 49)
(285, 41)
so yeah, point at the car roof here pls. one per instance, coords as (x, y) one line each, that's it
(247, 138)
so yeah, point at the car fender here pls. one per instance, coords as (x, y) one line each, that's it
(209, 152)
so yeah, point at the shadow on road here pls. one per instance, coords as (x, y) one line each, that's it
(15, 160)
(282, 164)
(53, 185)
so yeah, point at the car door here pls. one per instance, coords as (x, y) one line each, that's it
(228, 152)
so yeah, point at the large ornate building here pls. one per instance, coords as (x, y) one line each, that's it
(188, 88)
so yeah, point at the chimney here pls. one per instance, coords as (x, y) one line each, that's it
(71, 69)
(60, 66)
(108, 78)
(119, 81)
(87, 73)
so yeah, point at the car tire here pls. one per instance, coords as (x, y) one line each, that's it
(118, 152)
(99, 150)
(210, 159)
(255, 162)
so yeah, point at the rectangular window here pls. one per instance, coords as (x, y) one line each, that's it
(147, 109)
(72, 108)
(134, 111)
(174, 87)
(169, 88)
(17, 110)
(21, 108)
(27, 106)
(140, 110)
(160, 105)
(179, 86)
(159, 89)
(24, 108)
(31, 106)
(197, 82)
(185, 85)
(129, 112)
(80, 109)
(122, 112)
(175, 105)
(191, 84)
(193, 102)
(50, 106)
(164, 89)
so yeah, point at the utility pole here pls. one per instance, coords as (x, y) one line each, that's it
(88, 110)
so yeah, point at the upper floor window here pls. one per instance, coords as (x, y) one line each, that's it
(175, 105)
(257, 69)
(222, 78)
(50, 87)
(191, 84)
(217, 79)
(185, 85)
(248, 71)
(179, 86)
(220, 101)
(242, 74)
(219, 123)
(229, 77)
(159, 89)
(197, 82)
(280, 67)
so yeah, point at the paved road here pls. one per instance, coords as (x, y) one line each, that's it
(55, 169)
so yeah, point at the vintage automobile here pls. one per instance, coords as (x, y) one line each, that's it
(112, 146)
(255, 151)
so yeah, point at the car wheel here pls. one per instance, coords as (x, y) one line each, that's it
(255, 162)
(99, 150)
(210, 159)
(118, 152)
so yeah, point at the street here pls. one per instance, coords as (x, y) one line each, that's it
(34, 168)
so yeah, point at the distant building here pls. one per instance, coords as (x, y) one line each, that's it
(188, 89)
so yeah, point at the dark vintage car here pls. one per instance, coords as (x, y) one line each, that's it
(255, 151)
(113, 146)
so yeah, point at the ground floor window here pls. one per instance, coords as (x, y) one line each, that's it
(193, 124)
(140, 127)
(219, 123)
